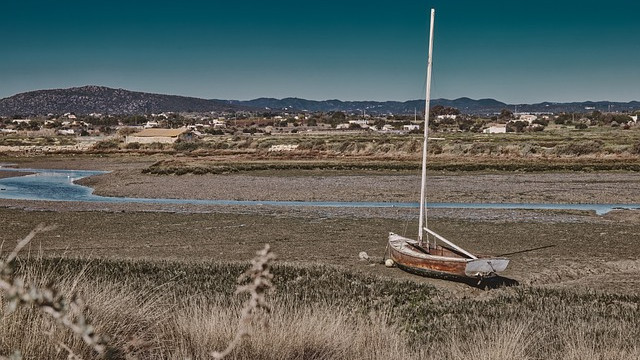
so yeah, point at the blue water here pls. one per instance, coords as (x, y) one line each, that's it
(57, 185)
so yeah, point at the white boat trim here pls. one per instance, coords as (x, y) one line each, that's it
(452, 245)
(395, 238)
(483, 267)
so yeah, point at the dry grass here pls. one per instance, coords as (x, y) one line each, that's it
(525, 340)
(149, 322)
(259, 278)
(598, 149)
(292, 332)
(147, 310)
(179, 311)
(18, 292)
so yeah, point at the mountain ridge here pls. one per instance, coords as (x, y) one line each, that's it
(101, 99)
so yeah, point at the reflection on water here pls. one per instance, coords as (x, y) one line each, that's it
(57, 185)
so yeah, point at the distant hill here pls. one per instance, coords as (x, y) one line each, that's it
(465, 105)
(100, 99)
(585, 106)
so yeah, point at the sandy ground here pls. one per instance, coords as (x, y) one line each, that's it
(581, 249)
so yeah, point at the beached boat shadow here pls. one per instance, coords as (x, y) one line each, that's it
(487, 283)
(491, 283)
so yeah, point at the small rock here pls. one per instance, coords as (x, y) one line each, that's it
(388, 263)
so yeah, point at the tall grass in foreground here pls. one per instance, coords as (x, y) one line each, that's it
(167, 310)
(178, 319)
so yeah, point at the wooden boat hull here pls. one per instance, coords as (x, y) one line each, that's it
(440, 262)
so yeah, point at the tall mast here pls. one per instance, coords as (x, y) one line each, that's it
(422, 223)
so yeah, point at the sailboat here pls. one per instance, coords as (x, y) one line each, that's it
(432, 254)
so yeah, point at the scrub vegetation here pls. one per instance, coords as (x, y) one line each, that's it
(556, 149)
(15, 140)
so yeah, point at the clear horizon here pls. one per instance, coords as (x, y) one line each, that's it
(512, 52)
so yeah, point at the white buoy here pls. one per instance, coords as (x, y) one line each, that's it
(388, 263)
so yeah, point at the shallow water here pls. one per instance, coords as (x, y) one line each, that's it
(58, 185)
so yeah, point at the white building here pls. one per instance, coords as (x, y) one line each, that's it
(528, 118)
(496, 129)
(218, 124)
(66, 132)
(359, 122)
(283, 147)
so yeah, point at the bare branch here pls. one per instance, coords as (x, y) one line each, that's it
(70, 314)
(259, 276)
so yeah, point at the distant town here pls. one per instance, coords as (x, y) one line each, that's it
(442, 119)
(116, 119)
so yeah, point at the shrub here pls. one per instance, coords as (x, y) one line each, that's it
(579, 148)
(133, 146)
(155, 146)
(127, 131)
(540, 121)
(219, 145)
(243, 143)
(185, 146)
(305, 145)
(214, 132)
(482, 149)
(106, 144)
(516, 126)
(434, 149)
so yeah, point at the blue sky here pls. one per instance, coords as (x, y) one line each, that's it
(513, 51)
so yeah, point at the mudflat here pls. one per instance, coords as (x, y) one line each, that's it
(8, 174)
(574, 249)
(126, 179)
